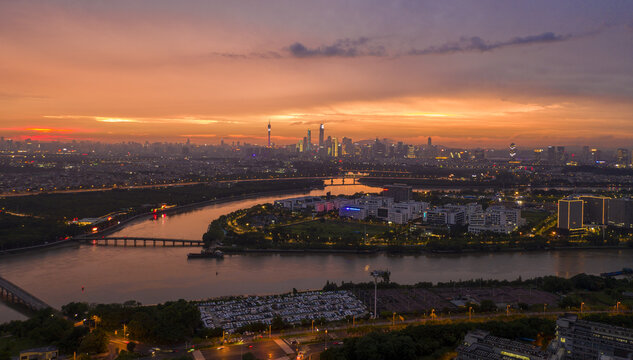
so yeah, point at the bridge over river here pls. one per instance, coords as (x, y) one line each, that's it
(141, 241)
(12, 293)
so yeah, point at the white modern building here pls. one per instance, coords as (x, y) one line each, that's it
(496, 219)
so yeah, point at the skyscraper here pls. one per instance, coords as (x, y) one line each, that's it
(308, 146)
(430, 143)
(513, 152)
(268, 133)
(321, 136)
(334, 147)
(622, 157)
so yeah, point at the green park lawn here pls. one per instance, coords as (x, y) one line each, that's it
(336, 228)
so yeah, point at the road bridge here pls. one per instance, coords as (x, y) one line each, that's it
(142, 242)
(16, 295)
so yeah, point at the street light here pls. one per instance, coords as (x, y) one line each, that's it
(617, 307)
(376, 274)
(470, 313)
(581, 306)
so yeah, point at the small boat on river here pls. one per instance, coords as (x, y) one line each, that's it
(206, 253)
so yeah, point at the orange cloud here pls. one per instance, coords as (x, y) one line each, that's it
(46, 130)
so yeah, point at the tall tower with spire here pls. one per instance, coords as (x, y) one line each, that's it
(321, 136)
(268, 133)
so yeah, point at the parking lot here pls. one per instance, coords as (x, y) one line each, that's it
(231, 314)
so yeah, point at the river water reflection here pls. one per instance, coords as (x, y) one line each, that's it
(152, 275)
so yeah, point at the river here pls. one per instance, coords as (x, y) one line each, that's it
(153, 275)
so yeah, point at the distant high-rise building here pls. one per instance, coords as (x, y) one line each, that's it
(430, 143)
(308, 146)
(268, 133)
(347, 147)
(334, 147)
(561, 156)
(305, 144)
(551, 154)
(538, 155)
(379, 149)
(622, 157)
(398, 192)
(584, 157)
(411, 152)
(570, 214)
(513, 152)
(321, 136)
(596, 155)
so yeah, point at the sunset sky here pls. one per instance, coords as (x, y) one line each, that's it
(471, 73)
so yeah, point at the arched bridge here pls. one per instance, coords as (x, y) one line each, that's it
(16, 295)
(141, 241)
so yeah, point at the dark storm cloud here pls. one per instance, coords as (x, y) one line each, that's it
(477, 44)
(341, 48)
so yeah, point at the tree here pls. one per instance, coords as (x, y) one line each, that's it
(94, 343)
(487, 306)
(278, 323)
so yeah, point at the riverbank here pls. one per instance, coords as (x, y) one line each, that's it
(148, 215)
(414, 251)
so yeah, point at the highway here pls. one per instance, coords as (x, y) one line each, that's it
(262, 349)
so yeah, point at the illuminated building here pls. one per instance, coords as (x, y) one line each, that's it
(596, 155)
(595, 210)
(620, 212)
(583, 340)
(570, 214)
(622, 157)
(480, 345)
(513, 152)
(321, 136)
(334, 147)
(268, 133)
(498, 219)
(538, 154)
(411, 152)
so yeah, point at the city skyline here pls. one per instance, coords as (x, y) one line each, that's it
(485, 74)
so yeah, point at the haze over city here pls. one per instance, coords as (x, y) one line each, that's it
(467, 73)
